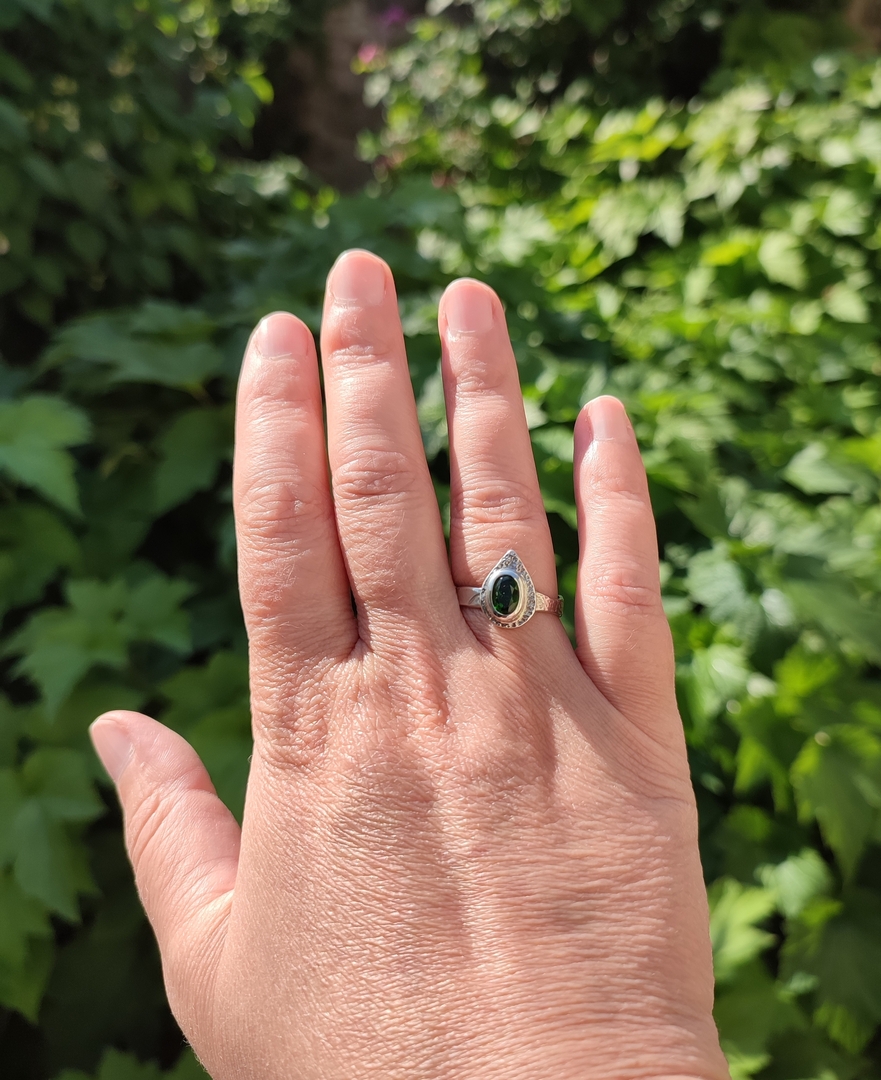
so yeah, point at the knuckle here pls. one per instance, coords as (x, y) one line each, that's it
(149, 818)
(378, 475)
(491, 502)
(279, 394)
(363, 354)
(290, 732)
(281, 507)
(620, 484)
(626, 589)
(286, 747)
(476, 374)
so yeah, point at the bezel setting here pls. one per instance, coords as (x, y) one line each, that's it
(509, 565)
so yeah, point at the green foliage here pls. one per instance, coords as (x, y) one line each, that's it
(628, 50)
(716, 266)
(116, 1066)
(34, 433)
(116, 121)
(461, 86)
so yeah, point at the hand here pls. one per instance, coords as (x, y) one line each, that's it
(467, 852)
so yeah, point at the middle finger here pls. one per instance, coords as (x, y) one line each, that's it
(387, 513)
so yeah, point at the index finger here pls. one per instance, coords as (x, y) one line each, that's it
(294, 589)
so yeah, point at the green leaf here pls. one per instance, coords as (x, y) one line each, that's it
(843, 954)
(22, 988)
(33, 432)
(41, 9)
(192, 450)
(160, 344)
(49, 863)
(59, 645)
(780, 256)
(97, 693)
(118, 513)
(834, 605)
(10, 730)
(797, 881)
(21, 921)
(210, 705)
(735, 910)
(61, 779)
(25, 949)
(846, 304)
(730, 251)
(717, 583)
(622, 215)
(86, 241)
(87, 182)
(187, 1068)
(14, 74)
(865, 451)
(812, 471)
(153, 612)
(45, 174)
(222, 682)
(35, 545)
(10, 804)
(749, 1010)
(845, 213)
(827, 780)
(716, 675)
(13, 126)
(10, 189)
(118, 1066)
(554, 450)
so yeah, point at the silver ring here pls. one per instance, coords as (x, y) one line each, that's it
(507, 595)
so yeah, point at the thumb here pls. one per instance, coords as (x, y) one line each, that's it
(183, 844)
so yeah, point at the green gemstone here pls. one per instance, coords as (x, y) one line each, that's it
(505, 595)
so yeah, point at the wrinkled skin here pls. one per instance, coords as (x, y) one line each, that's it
(467, 852)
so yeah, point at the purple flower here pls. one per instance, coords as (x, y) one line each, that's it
(394, 15)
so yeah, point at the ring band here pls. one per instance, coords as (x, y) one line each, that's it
(507, 596)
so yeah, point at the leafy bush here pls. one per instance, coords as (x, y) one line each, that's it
(716, 266)
(632, 49)
(112, 118)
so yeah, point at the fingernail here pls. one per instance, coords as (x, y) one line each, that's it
(469, 309)
(112, 745)
(608, 420)
(281, 335)
(358, 277)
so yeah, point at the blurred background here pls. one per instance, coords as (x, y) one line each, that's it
(678, 201)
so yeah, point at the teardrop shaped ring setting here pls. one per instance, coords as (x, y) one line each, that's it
(507, 596)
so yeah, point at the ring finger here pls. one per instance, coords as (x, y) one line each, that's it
(495, 500)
